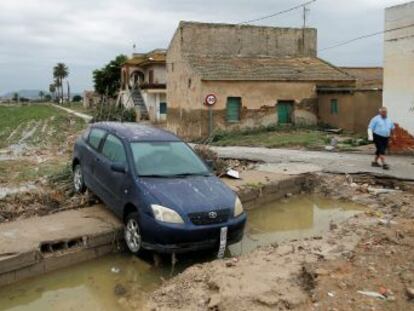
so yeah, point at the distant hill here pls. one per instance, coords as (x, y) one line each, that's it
(31, 94)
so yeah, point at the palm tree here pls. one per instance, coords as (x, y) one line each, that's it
(60, 72)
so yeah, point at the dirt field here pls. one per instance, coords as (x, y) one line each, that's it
(35, 151)
(371, 252)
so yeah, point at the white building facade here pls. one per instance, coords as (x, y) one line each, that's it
(399, 65)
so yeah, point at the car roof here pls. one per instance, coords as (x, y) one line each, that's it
(135, 132)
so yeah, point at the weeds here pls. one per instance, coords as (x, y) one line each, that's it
(110, 112)
(219, 165)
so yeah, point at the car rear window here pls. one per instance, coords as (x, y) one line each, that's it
(113, 149)
(95, 137)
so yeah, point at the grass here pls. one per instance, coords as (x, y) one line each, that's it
(49, 125)
(20, 171)
(47, 134)
(272, 137)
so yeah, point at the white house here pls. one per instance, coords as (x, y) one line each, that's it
(399, 69)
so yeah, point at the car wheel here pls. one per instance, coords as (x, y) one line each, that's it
(132, 233)
(78, 182)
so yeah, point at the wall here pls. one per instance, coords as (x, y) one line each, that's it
(246, 40)
(355, 110)
(259, 100)
(399, 66)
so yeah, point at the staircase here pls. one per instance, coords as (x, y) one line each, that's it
(139, 104)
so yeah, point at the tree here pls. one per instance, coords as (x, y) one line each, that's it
(16, 97)
(60, 72)
(48, 97)
(52, 89)
(41, 95)
(107, 80)
(77, 98)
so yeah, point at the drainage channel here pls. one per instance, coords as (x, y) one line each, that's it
(106, 283)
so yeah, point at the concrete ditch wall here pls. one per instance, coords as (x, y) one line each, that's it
(38, 245)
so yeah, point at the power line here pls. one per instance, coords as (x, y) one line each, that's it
(278, 13)
(365, 37)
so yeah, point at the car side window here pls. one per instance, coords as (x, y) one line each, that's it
(95, 137)
(113, 149)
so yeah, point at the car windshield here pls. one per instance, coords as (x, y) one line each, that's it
(166, 159)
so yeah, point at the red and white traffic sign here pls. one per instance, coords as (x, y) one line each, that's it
(211, 99)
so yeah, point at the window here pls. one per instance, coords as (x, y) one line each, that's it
(334, 106)
(233, 109)
(113, 149)
(159, 159)
(95, 137)
(163, 108)
(151, 76)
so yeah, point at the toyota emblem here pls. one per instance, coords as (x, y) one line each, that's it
(212, 215)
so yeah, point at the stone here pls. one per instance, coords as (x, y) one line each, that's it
(120, 290)
(410, 292)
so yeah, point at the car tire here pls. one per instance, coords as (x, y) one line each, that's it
(78, 181)
(132, 233)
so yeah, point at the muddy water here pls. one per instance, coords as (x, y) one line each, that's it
(104, 284)
(97, 285)
(295, 218)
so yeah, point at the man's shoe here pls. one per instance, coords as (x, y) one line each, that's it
(386, 167)
(375, 164)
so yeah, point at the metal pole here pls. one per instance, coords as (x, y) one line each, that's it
(210, 120)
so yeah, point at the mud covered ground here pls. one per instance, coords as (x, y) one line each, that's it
(369, 255)
(35, 151)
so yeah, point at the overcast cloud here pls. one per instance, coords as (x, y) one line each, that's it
(85, 34)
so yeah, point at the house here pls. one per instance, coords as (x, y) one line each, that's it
(398, 72)
(258, 75)
(143, 84)
(352, 108)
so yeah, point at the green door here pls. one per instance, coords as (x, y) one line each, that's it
(284, 112)
(233, 109)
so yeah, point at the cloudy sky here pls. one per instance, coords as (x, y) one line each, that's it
(85, 34)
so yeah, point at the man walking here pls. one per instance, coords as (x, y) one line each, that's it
(380, 129)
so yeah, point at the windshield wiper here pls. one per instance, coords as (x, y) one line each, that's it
(190, 174)
(182, 175)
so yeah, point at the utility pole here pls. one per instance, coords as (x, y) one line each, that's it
(305, 16)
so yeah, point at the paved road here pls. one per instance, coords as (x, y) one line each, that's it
(284, 160)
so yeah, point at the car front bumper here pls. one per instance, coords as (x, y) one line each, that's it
(168, 238)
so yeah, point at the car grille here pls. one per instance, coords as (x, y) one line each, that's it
(205, 218)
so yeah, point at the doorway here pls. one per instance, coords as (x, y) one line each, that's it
(284, 110)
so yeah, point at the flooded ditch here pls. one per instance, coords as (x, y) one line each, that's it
(105, 283)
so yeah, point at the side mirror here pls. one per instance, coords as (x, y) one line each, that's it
(210, 164)
(119, 168)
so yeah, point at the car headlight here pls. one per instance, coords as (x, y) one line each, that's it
(238, 207)
(165, 214)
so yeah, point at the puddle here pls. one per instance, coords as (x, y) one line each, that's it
(98, 285)
(90, 286)
(298, 217)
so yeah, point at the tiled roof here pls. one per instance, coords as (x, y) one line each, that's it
(155, 56)
(366, 77)
(266, 69)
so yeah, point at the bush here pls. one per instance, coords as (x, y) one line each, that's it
(77, 98)
(107, 112)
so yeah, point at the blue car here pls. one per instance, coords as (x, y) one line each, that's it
(155, 183)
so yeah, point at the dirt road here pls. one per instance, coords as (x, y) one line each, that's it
(402, 167)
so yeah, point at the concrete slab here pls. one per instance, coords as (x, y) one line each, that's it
(402, 167)
(27, 242)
